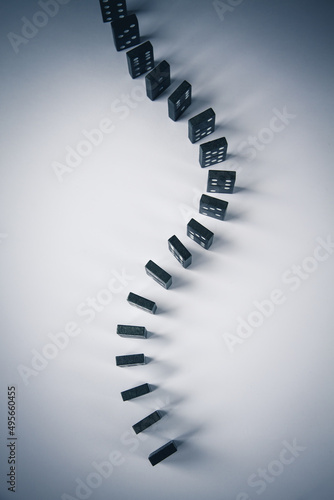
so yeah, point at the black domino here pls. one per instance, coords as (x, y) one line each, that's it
(163, 452)
(212, 207)
(142, 303)
(126, 32)
(140, 59)
(158, 274)
(200, 234)
(212, 152)
(130, 360)
(179, 100)
(130, 331)
(201, 125)
(157, 80)
(180, 252)
(146, 422)
(135, 392)
(113, 9)
(221, 181)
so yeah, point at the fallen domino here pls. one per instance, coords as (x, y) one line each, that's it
(200, 234)
(130, 360)
(162, 453)
(134, 332)
(212, 207)
(135, 392)
(146, 422)
(142, 303)
(158, 274)
(180, 252)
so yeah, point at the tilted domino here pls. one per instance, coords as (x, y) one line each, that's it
(163, 452)
(221, 181)
(212, 207)
(142, 303)
(125, 32)
(130, 360)
(140, 59)
(199, 233)
(158, 274)
(201, 125)
(180, 252)
(212, 152)
(157, 80)
(179, 100)
(130, 331)
(113, 9)
(135, 392)
(146, 422)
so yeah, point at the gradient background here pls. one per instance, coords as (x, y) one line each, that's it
(61, 241)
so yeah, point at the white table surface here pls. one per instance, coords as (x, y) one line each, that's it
(235, 397)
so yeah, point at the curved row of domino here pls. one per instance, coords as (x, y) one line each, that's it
(125, 30)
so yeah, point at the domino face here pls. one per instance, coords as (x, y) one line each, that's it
(212, 207)
(142, 303)
(180, 252)
(200, 234)
(134, 332)
(135, 392)
(146, 422)
(125, 32)
(201, 125)
(212, 152)
(158, 274)
(158, 80)
(221, 181)
(179, 100)
(130, 360)
(163, 452)
(113, 9)
(140, 59)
